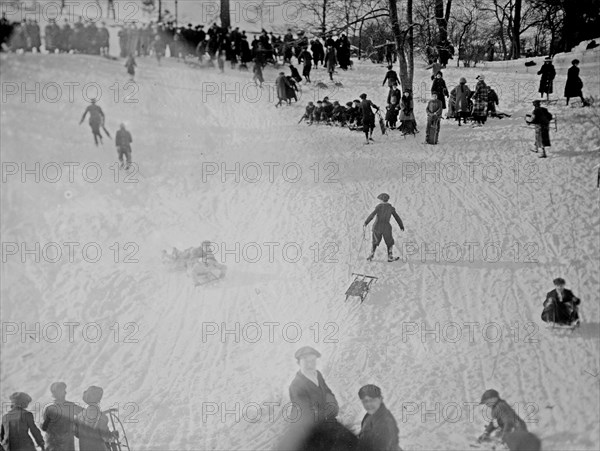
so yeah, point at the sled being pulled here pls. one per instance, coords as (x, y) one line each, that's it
(199, 263)
(360, 286)
(118, 441)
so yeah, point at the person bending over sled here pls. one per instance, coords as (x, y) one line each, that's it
(507, 419)
(560, 306)
(382, 227)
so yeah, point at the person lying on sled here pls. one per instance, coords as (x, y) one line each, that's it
(560, 306)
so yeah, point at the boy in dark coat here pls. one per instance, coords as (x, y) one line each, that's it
(96, 119)
(306, 58)
(507, 419)
(58, 420)
(439, 88)
(480, 101)
(123, 142)
(309, 392)
(541, 118)
(17, 424)
(368, 117)
(548, 73)
(560, 306)
(379, 430)
(391, 77)
(382, 227)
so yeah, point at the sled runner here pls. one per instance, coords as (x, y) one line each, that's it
(360, 286)
(119, 440)
(381, 123)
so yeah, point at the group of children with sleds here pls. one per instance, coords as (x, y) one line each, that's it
(61, 422)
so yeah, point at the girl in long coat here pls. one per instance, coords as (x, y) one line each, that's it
(439, 88)
(434, 114)
(548, 73)
(408, 125)
(462, 94)
(331, 62)
(574, 84)
(480, 101)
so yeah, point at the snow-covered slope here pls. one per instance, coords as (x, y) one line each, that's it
(178, 385)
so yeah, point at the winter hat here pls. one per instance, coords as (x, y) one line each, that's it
(384, 197)
(489, 394)
(325, 99)
(547, 59)
(439, 72)
(370, 390)
(480, 77)
(390, 67)
(523, 441)
(462, 80)
(306, 350)
(363, 96)
(310, 103)
(348, 104)
(20, 399)
(93, 395)
(559, 281)
(575, 61)
(57, 386)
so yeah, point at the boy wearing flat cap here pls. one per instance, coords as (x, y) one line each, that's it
(309, 393)
(382, 227)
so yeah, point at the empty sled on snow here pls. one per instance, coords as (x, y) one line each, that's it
(360, 286)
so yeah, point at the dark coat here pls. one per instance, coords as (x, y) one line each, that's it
(331, 60)
(480, 99)
(391, 77)
(384, 213)
(379, 432)
(282, 84)
(463, 94)
(91, 428)
(561, 312)
(312, 399)
(574, 84)
(394, 93)
(123, 138)
(439, 87)
(548, 73)
(406, 109)
(507, 419)
(15, 429)
(58, 423)
(96, 114)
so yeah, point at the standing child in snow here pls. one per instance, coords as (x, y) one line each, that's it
(96, 120)
(541, 118)
(123, 142)
(130, 64)
(434, 114)
(391, 77)
(408, 125)
(221, 61)
(382, 227)
(368, 117)
(17, 423)
(258, 75)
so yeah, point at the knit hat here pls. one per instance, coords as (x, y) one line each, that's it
(384, 197)
(462, 80)
(93, 395)
(20, 399)
(480, 77)
(370, 390)
(489, 394)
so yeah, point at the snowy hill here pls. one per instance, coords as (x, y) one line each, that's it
(504, 222)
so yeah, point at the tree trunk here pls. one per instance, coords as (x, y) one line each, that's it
(324, 18)
(225, 14)
(516, 31)
(448, 7)
(406, 65)
(441, 19)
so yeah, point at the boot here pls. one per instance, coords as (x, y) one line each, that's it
(391, 256)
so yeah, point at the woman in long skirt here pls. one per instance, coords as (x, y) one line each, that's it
(408, 125)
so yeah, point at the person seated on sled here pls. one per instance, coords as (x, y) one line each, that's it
(327, 113)
(317, 112)
(560, 306)
(339, 114)
(382, 227)
(308, 112)
(507, 419)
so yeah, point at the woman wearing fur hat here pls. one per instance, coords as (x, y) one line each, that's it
(17, 424)
(382, 227)
(378, 429)
(91, 425)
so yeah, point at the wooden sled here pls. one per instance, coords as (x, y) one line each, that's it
(118, 441)
(360, 286)
(553, 121)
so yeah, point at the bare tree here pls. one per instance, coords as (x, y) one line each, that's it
(225, 14)
(404, 43)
